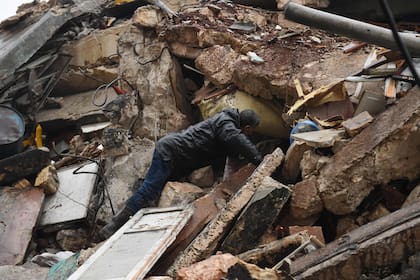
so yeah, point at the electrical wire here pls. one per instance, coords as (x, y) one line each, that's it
(387, 10)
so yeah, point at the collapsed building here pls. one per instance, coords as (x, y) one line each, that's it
(88, 87)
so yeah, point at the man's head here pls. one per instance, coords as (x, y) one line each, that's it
(249, 120)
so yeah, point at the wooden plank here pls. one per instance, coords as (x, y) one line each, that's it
(71, 202)
(206, 242)
(133, 250)
(20, 211)
(379, 244)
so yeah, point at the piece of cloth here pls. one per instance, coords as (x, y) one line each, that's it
(151, 188)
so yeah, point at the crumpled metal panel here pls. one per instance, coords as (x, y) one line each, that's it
(18, 216)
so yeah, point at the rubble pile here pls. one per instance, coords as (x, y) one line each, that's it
(88, 87)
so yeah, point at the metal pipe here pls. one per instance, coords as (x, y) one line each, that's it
(350, 28)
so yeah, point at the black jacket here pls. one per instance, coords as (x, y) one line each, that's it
(202, 143)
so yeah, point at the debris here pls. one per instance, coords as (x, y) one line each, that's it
(321, 138)
(334, 91)
(71, 203)
(20, 211)
(291, 167)
(353, 46)
(23, 164)
(47, 180)
(314, 230)
(118, 258)
(50, 259)
(254, 58)
(259, 214)
(147, 16)
(341, 182)
(379, 244)
(413, 197)
(356, 124)
(305, 201)
(271, 253)
(205, 242)
(203, 177)
(246, 27)
(179, 194)
(348, 27)
(72, 239)
(371, 102)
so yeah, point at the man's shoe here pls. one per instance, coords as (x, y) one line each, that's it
(117, 221)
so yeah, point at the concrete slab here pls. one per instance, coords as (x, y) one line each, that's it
(20, 211)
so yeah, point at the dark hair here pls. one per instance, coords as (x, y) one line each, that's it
(249, 117)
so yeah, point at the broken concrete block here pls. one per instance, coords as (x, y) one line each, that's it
(381, 244)
(305, 201)
(147, 16)
(217, 64)
(160, 113)
(319, 139)
(291, 169)
(384, 151)
(309, 163)
(184, 51)
(314, 230)
(354, 125)
(179, 194)
(225, 266)
(215, 267)
(260, 213)
(19, 214)
(72, 239)
(97, 47)
(206, 242)
(413, 197)
(47, 180)
(76, 80)
(202, 177)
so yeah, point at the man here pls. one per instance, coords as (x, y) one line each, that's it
(182, 152)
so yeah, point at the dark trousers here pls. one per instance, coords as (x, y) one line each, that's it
(151, 188)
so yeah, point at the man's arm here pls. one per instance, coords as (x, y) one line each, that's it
(237, 142)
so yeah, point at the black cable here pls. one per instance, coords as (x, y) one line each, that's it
(387, 10)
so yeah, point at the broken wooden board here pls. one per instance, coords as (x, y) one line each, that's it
(320, 139)
(260, 213)
(71, 202)
(20, 211)
(334, 91)
(206, 242)
(132, 251)
(385, 242)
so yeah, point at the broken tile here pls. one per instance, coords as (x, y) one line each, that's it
(20, 211)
